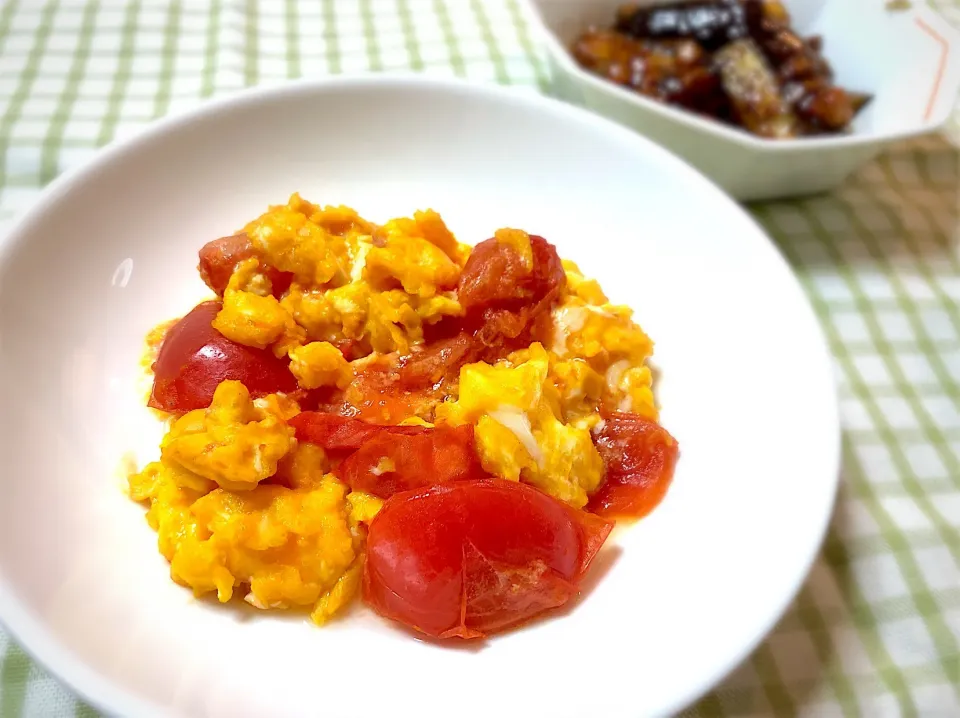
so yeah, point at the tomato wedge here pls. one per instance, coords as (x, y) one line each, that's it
(194, 358)
(640, 456)
(335, 432)
(469, 558)
(392, 462)
(220, 257)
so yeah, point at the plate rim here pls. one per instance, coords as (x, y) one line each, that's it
(31, 633)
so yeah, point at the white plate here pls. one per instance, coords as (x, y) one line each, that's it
(109, 251)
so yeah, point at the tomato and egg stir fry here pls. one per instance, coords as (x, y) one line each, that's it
(380, 409)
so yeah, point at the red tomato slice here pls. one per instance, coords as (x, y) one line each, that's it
(395, 461)
(640, 456)
(468, 558)
(220, 257)
(195, 358)
(335, 432)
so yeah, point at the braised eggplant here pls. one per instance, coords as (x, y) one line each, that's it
(737, 61)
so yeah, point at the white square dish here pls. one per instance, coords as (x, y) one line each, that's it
(909, 60)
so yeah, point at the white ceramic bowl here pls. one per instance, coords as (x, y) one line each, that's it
(909, 60)
(110, 250)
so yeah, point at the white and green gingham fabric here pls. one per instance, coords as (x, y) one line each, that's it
(875, 629)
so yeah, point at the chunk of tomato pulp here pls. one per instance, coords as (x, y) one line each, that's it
(391, 463)
(194, 358)
(640, 456)
(468, 558)
(501, 298)
(337, 433)
(385, 460)
(494, 276)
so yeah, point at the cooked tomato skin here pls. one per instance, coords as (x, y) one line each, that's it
(392, 462)
(468, 558)
(335, 432)
(220, 257)
(384, 460)
(640, 457)
(194, 358)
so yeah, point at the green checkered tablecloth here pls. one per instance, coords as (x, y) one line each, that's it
(875, 629)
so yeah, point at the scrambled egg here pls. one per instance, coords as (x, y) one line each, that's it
(519, 429)
(289, 547)
(347, 283)
(222, 525)
(252, 316)
(239, 505)
(232, 443)
(319, 364)
(600, 353)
